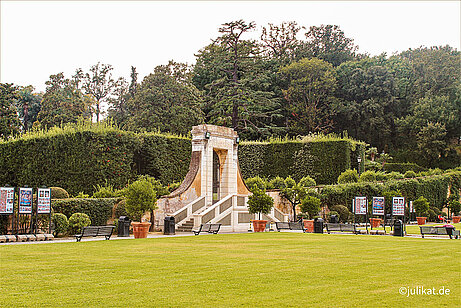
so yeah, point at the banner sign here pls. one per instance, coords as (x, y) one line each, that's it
(378, 205)
(412, 210)
(361, 205)
(44, 201)
(25, 200)
(6, 200)
(398, 206)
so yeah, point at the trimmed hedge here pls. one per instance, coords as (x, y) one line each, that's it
(79, 157)
(99, 210)
(323, 160)
(402, 167)
(433, 188)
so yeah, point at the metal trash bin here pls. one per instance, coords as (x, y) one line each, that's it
(318, 225)
(398, 227)
(123, 226)
(334, 219)
(169, 225)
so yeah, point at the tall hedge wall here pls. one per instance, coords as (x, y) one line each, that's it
(79, 158)
(323, 160)
(98, 209)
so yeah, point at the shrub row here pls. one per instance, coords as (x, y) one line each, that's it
(434, 188)
(402, 167)
(78, 158)
(99, 210)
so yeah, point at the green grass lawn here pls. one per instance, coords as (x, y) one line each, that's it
(228, 270)
(414, 229)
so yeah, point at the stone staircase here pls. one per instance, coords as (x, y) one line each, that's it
(186, 227)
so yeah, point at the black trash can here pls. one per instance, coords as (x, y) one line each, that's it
(334, 219)
(169, 225)
(123, 226)
(318, 225)
(398, 227)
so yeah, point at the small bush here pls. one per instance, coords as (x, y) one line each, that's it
(289, 182)
(256, 182)
(310, 205)
(140, 198)
(432, 216)
(106, 191)
(259, 202)
(455, 207)
(98, 209)
(348, 176)
(277, 183)
(60, 223)
(307, 181)
(59, 193)
(421, 206)
(368, 176)
(342, 211)
(395, 176)
(77, 221)
(410, 174)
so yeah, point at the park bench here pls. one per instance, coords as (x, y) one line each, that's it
(210, 228)
(341, 228)
(94, 231)
(431, 230)
(290, 226)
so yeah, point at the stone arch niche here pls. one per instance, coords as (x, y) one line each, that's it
(214, 171)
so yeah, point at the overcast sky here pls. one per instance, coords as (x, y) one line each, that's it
(43, 38)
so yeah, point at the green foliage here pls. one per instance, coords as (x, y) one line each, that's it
(421, 206)
(455, 207)
(120, 209)
(348, 176)
(388, 197)
(277, 183)
(310, 205)
(402, 167)
(343, 212)
(106, 191)
(256, 182)
(367, 176)
(82, 195)
(307, 181)
(59, 193)
(259, 201)
(60, 223)
(140, 198)
(9, 120)
(99, 210)
(410, 174)
(77, 221)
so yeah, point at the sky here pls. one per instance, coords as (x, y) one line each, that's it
(40, 38)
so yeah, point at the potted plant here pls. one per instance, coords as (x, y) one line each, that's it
(259, 202)
(421, 207)
(455, 207)
(140, 198)
(311, 206)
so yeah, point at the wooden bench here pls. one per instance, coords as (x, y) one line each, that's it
(290, 226)
(210, 228)
(94, 231)
(341, 228)
(431, 230)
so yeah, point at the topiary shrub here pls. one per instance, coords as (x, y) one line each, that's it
(259, 202)
(348, 176)
(307, 181)
(421, 206)
(277, 183)
(410, 174)
(140, 198)
(311, 206)
(256, 182)
(431, 215)
(60, 223)
(455, 207)
(59, 193)
(77, 221)
(342, 211)
(368, 176)
(394, 176)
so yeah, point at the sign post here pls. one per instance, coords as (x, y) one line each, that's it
(398, 208)
(7, 203)
(361, 208)
(25, 205)
(378, 207)
(43, 205)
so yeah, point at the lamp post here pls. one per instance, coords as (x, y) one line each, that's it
(359, 160)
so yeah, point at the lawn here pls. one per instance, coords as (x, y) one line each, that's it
(414, 229)
(228, 270)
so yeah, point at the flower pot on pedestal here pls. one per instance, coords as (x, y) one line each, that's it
(421, 220)
(140, 229)
(375, 222)
(309, 225)
(456, 219)
(259, 225)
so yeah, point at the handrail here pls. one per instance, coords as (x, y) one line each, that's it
(213, 210)
(186, 211)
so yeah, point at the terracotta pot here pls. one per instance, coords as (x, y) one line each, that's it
(375, 222)
(140, 229)
(421, 220)
(456, 219)
(309, 225)
(259, 225)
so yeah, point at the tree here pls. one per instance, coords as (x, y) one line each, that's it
(421, 206)
(62, 103)
(99, 84)
(310, 84)
(431, 141)
(28, 105)
(294, 193)
(233, 75)
(310, 205)
(329, 43)
(259, 202)
(165, 101)
(280, 41)
(9, 120)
